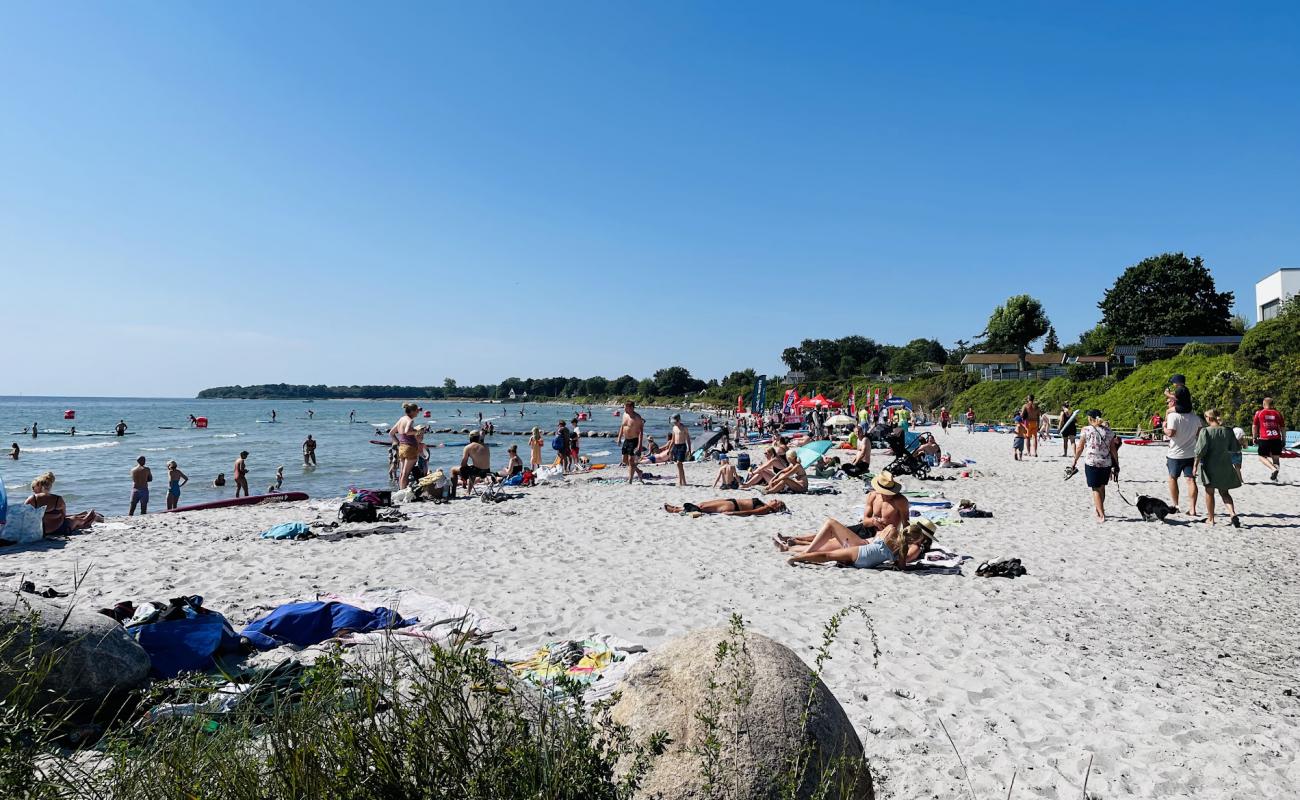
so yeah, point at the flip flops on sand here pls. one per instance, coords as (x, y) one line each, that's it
(1010, 568)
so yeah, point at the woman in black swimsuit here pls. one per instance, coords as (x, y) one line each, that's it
(739, 507)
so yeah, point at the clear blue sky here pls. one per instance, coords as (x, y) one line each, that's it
(203, 194)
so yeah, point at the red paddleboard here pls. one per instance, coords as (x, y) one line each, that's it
(1144, 441)
(254, 500)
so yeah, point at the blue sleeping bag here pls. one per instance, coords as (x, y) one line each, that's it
(305, 624)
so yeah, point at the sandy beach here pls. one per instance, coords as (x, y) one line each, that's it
(1165, 653)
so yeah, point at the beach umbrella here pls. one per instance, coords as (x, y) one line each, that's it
(841, 419)
(812, 451)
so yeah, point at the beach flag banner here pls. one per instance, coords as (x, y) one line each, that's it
(760, 393)
(740, 404)
(853, 404)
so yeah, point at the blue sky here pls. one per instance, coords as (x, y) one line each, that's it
(204, 194)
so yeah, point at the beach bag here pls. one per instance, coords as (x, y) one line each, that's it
(742, 461)
(529, 479)
(557, 444)
(375, 497)
(24, 524)
(358, 512)
(514, 480)
(186, 642)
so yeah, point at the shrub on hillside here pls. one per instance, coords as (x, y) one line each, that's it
(1081, 372)
(1272, 340)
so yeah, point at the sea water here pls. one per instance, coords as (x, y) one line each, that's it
(93, 467)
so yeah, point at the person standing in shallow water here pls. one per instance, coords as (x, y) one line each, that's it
(241, 474)
(309, 452)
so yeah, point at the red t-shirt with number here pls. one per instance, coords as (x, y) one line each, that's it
(1268, 421)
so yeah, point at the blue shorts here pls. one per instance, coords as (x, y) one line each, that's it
(679, 453)
(1179, 466)
(1236, 459)
(1019, 443)
(1097, 477)
(873, 555)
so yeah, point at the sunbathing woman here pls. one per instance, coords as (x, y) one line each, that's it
(738, 507)
(836, 543)
(766, 471)
(791, 480)
(57, 521)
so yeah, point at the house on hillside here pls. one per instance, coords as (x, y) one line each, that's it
(1101, 362)
(1274, 290)
(1156, 347)
(1006, 366)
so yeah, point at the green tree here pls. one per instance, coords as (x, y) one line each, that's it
(449, 384)
(1051, 344)
(1265, 345)
(1014, 325)
(676, 381)
(1166, 295)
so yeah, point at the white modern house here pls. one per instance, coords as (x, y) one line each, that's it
(1271, 292)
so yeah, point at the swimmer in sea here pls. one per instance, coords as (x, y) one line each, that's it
(13, 451)
(220, 480)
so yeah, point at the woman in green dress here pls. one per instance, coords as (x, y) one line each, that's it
(1214, 448)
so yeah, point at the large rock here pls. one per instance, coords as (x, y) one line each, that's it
(669, 690)
(95, 660)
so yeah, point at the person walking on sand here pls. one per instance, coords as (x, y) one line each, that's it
(175, 480)
(1100, 452)
(535, 449)
(970, 419)
(630, 432)
(1030, 414)
(561, 445)
(1215, 445)
(1018, 443)
(408, 446)
(681, 441)
(309, 452)
(241, 474)
(1268, 426)
(1069, 428)
(1181, 428)
(141, 476)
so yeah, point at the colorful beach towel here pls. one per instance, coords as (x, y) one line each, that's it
(597, 663)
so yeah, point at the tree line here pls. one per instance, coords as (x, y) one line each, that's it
(1166, 295)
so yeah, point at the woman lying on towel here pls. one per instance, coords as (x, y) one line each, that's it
(836, 543)
(739, 507)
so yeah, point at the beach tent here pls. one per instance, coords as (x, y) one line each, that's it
(820, 401)
(898, 402)
(812, 451)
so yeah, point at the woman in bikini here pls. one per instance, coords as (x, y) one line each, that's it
(767, 470)
(57, 521)
(731, 507)
(837, 544)
(408, 446)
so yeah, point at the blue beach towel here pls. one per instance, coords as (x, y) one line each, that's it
(185, 645)
(286, 530)
(305, 624)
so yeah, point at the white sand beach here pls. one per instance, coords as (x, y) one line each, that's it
(1167, 654)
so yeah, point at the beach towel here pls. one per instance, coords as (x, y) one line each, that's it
(939, 559)
(286, 530)
(429, 618)
(597, 663)
(305, 624)
(932, 503)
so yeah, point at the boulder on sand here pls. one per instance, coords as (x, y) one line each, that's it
(669, 690)
(95, 660)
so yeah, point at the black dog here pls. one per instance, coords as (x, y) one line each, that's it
(1153, 509)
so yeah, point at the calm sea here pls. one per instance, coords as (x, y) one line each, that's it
(93, 469)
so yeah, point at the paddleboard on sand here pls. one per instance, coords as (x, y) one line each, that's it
(254, 500)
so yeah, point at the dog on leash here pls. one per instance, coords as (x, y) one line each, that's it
(1153, 509)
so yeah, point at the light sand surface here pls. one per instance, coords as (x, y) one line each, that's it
(1161, 651)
